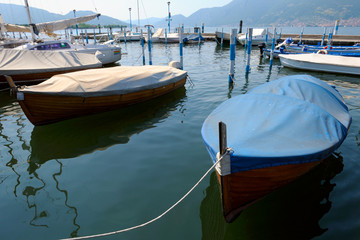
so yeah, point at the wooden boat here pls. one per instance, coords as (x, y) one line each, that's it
(86, 92)
(322, 63)
(29, 67)
(277, 132)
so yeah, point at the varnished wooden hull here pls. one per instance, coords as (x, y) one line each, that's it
(242, 189)
(43, 109)
(34, 78)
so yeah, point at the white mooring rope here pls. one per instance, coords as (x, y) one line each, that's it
(228, 150)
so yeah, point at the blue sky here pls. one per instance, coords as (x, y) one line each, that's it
(120, 8)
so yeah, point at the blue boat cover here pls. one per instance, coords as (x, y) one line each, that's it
(295, 119)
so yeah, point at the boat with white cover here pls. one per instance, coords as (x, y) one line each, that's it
(71, 95)
(29, 67)
(106, 52)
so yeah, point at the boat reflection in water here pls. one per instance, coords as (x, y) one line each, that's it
(87, 134)
(291, 212)
(75, 137)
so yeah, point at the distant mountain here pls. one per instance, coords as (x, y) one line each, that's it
(276, 13)
(149, 21)
(252, 12)
(16, 14)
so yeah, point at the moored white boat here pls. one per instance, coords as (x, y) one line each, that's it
(29, 67)
(105, 52)
(129, 36)
(322, 63)
(225, 37)
(258, 37)
(155, 38)
(171, 38)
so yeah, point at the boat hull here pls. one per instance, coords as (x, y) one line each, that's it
(322, 67)
(242, 189)
(225, 37)
(255, 41)
(43, 109)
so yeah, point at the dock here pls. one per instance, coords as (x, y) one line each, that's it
(312, 39)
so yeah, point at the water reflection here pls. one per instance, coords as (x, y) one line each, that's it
(6, 99)
(74, 233)
(30, 192)
(75, 137)
(38, 183)
(292, 212)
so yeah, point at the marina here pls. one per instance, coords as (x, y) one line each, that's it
(53, 180)
(175, 132)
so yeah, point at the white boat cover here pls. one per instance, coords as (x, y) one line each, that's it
(50, 27)
(16, 62)
(16, 28)
(108, 81)
(324, 59)
(159, 33)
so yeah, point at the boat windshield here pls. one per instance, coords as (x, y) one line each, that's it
(52, 46)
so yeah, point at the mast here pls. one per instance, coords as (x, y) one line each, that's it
(138, 14)
(169, 19)
(30, 22)
(2, 26)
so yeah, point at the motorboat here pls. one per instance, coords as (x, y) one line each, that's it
(322, 63)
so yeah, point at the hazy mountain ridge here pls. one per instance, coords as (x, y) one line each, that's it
(281, 13)
(252, 12)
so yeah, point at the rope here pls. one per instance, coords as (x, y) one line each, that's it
(191, 82)
(228, 150)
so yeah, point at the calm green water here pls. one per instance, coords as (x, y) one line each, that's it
(111, 171)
